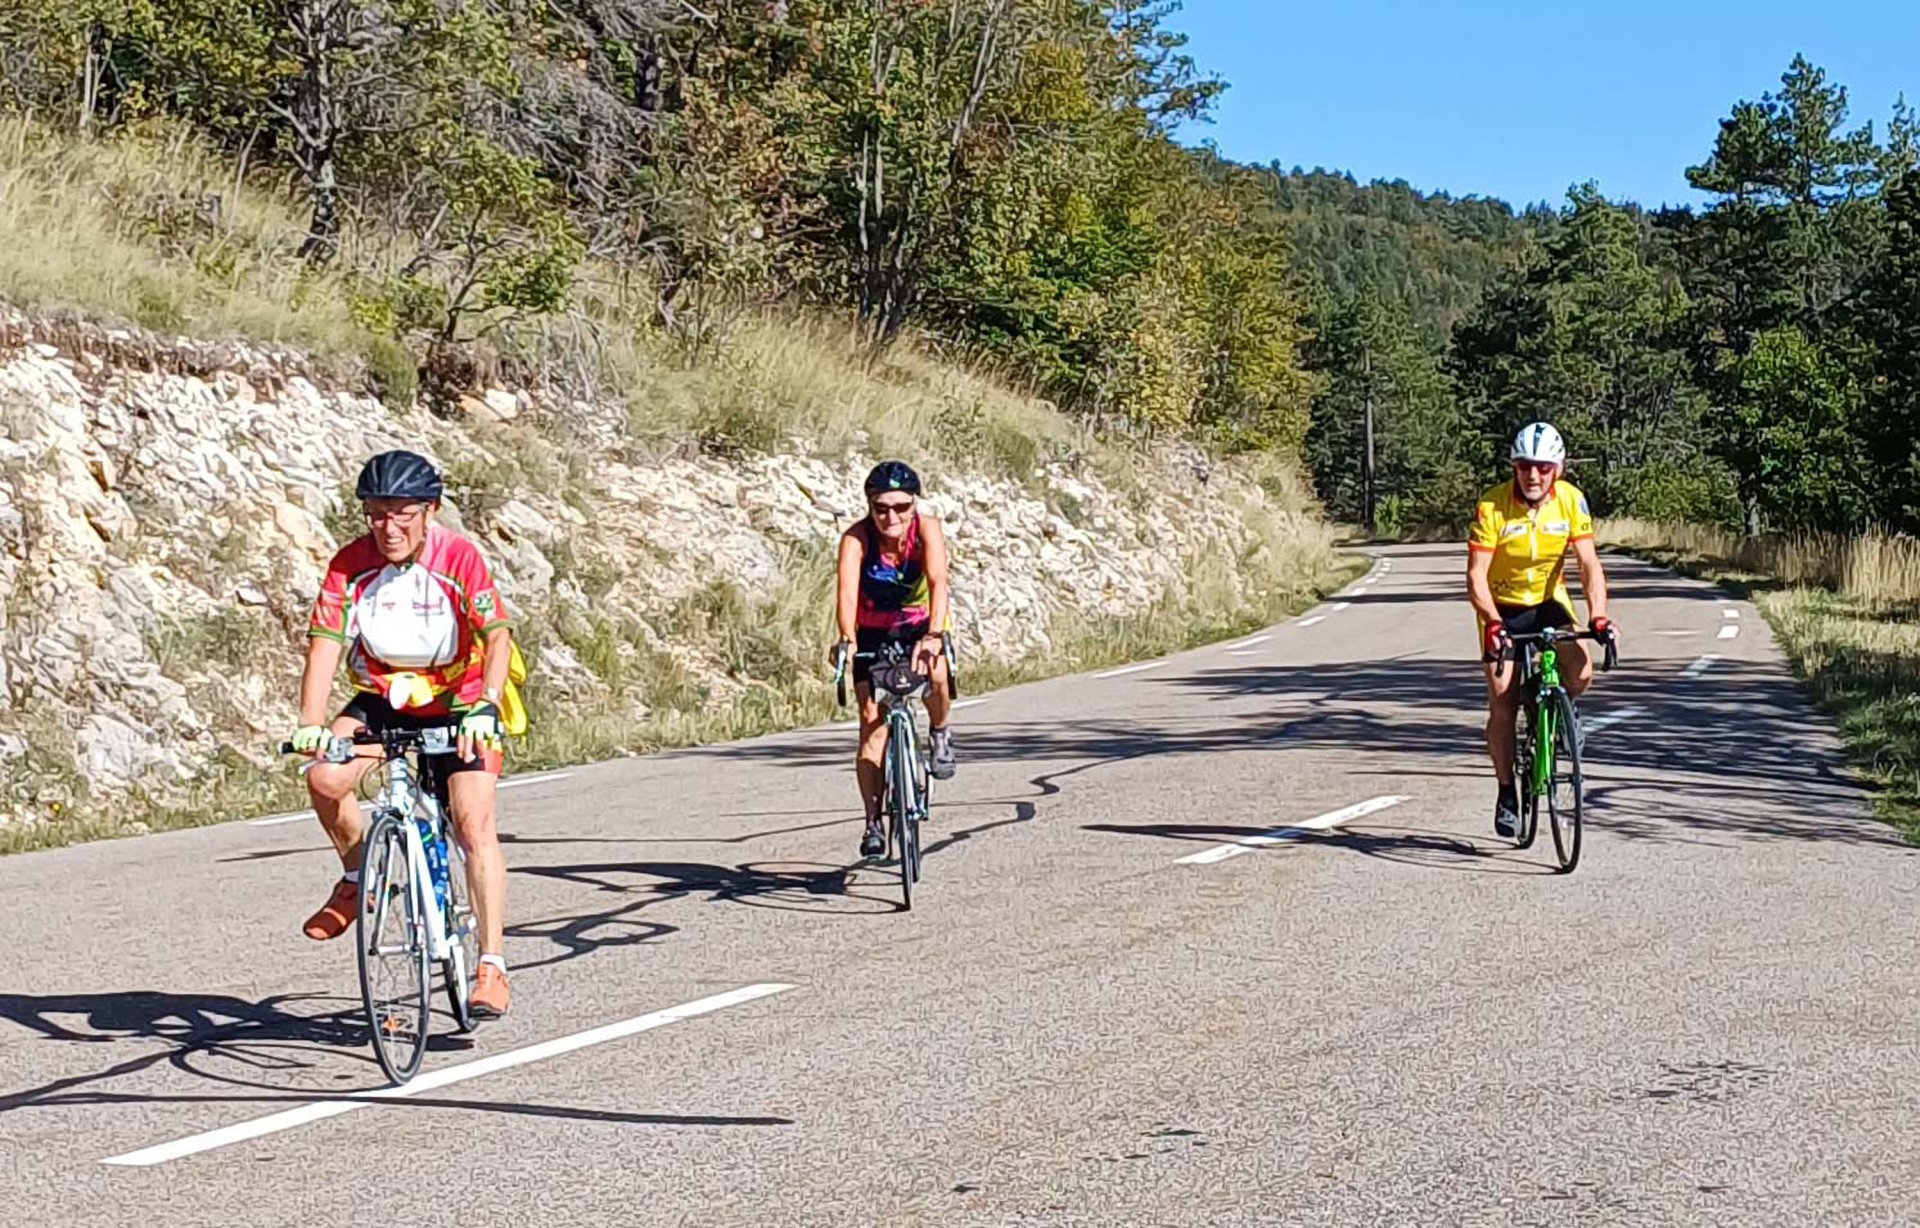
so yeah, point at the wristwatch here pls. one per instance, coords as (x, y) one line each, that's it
(491, 695)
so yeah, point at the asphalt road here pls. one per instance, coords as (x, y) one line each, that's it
(1093, 1015)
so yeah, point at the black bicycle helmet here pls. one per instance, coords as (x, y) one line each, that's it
(893, 475)
(399, 475)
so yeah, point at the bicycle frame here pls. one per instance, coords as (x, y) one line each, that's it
(403, 794)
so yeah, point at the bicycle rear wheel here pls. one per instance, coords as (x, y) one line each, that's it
(392, 939)
(463, 938)
(1564, 784)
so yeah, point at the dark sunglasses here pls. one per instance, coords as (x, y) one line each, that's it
(892, 509)
(1536, 466)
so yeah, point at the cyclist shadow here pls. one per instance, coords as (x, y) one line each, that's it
(192, 1032)
(789, 886)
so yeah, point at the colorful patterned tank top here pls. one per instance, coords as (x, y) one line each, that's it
(894, 596)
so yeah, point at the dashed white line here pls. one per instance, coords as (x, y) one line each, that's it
(968, 703)
(1612, 718)
(435, 1079)
(1243, 652)
(1333, 818)
(1131, 669)
(1254, 642)
(1341, 605)
(1729, 631)
(1729, 613)
(1308, 622)
(1699, 667)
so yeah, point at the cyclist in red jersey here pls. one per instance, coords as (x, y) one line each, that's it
(414, 610)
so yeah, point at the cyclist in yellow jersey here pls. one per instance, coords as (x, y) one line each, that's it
(1516, 579)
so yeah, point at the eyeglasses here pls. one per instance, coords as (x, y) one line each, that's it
(1535, 466)
(892, 509)
(405, 517)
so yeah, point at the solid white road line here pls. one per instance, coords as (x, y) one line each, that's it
(1308, 622)
(512, 782)
(1612, 718)
(436, 1079)
(1699, 667)
(1729, 631)
(1332, 818)
(1124, 670)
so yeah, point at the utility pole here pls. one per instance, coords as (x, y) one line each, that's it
(1366, 473)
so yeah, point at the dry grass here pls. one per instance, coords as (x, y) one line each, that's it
(1847, 610)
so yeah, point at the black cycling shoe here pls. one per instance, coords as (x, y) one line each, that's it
(1506, 813)
(873, 843)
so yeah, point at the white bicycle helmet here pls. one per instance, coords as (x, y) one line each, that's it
(1540, 443)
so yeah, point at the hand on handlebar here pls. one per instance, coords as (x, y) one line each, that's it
(1496, 645)
(310, 740)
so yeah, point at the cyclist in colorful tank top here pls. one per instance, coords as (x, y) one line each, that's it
(413, 608)
(893, 587)
(1517, 549)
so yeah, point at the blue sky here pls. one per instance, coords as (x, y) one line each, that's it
(1522, 100)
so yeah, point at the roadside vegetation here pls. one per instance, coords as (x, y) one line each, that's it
(1847, 612)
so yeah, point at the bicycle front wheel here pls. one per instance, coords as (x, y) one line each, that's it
(1564, 785)
(902, 772)
(463, 939)
(1525, 776)
(392, 939)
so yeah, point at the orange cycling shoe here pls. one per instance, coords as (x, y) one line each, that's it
(490, 996)
(336, 914)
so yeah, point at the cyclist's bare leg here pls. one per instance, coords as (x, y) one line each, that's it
(471, 798)
(1576, 666)
(333, 788)
(1503, 702)
(873, 744)
(939, 702)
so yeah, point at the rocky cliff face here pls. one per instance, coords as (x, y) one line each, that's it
(166, 510)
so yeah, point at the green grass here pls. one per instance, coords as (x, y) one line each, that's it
(1854, 640)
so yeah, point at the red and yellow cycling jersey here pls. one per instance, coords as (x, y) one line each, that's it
(425, 618)
(1529, 544)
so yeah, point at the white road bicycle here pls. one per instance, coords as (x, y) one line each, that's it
(414, 910)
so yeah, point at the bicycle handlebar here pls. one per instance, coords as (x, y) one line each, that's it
(432, 740)
(1554, 635)
(891, 651)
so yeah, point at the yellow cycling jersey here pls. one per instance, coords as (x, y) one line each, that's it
(1529, 544)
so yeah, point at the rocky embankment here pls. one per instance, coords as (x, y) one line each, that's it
(166, 509)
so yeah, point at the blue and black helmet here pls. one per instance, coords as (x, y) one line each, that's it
(893, 475)
(399, 475)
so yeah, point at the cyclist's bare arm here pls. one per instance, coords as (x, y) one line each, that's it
(1593, 577)
(847, 595)
(316, 684)
(938, 593)
(498, 646)
(1479, 590)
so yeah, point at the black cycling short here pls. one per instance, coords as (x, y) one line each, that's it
(378, 715)
(1533, 619)
(871, 639)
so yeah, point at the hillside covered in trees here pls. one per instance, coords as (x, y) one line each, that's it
(1002, 180)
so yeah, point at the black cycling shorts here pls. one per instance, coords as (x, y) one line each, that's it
(1533, 619)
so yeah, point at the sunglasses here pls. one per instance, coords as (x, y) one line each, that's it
(892, 509)
(402, 516)
(1535, 466)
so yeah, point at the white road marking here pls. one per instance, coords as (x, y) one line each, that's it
(512, 782)
(1699, 667)
(1341, 605)
(1729, 631)
(1255, 642)
(436, 1079)
(1612, 718)
(1243, 652)
(1729, 613)
(1308, 622)
(965, 703)
(1332, 818)
(1131, 669)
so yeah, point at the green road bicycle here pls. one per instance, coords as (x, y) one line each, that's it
(1547, 741)
(413, 906)
(909, 784)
